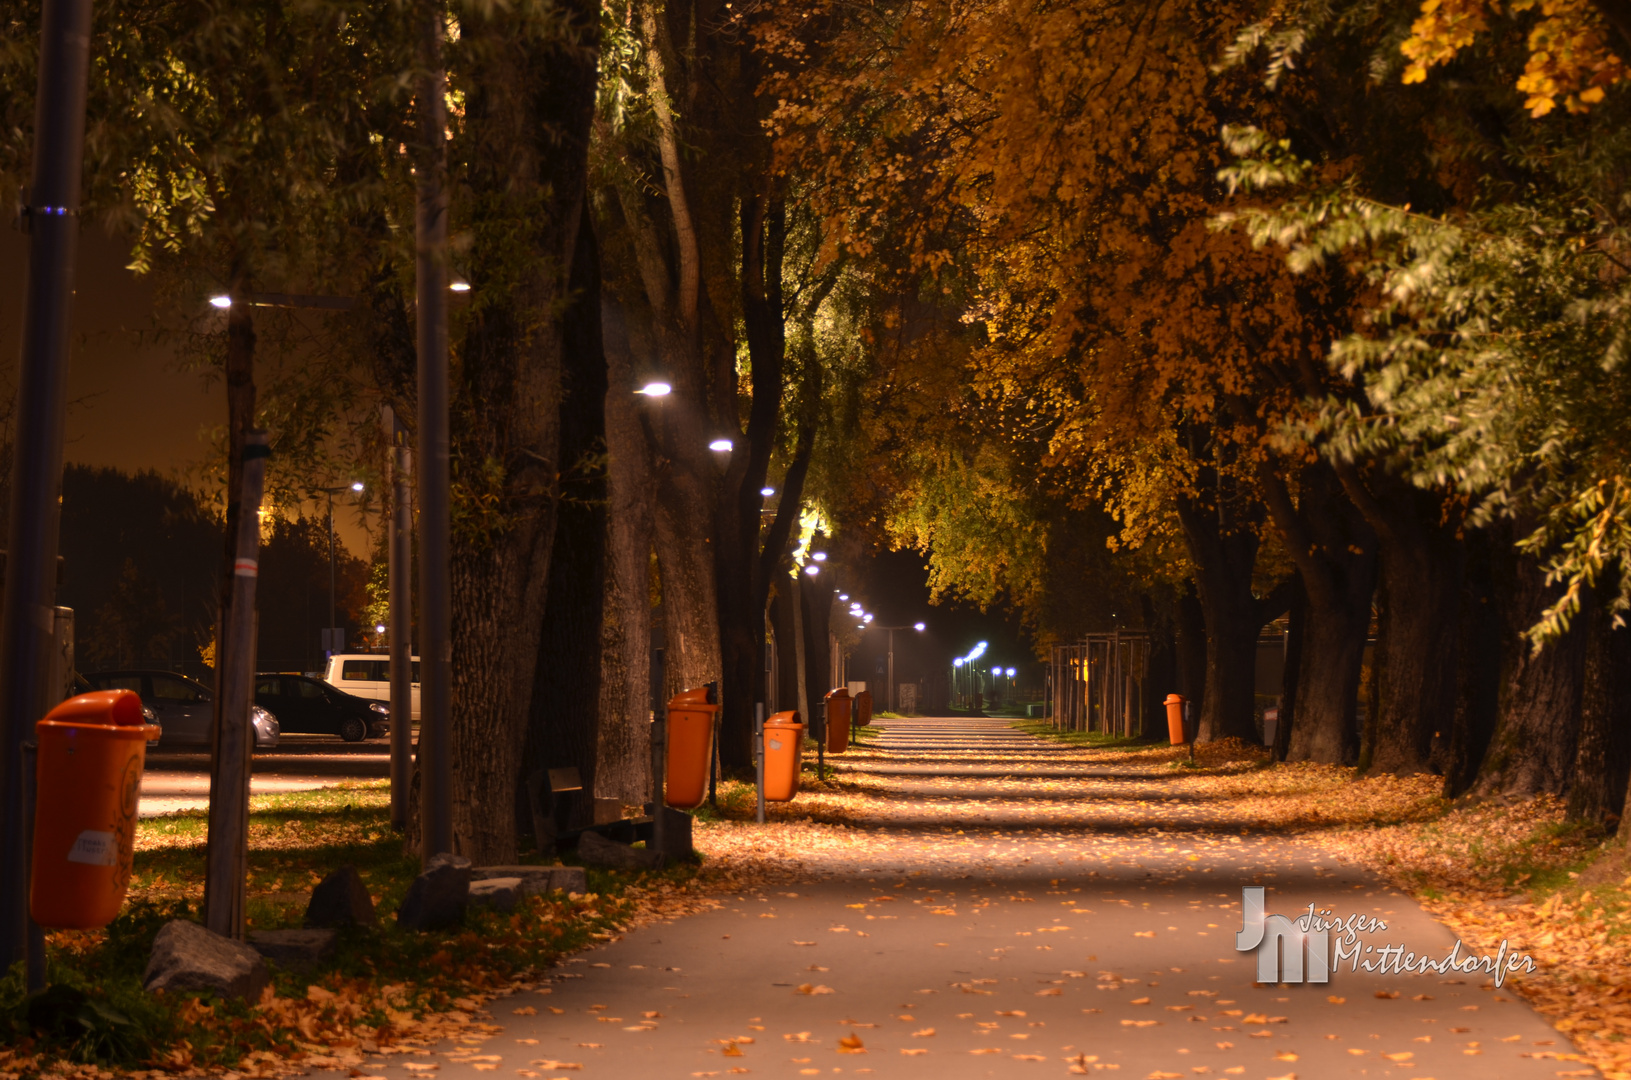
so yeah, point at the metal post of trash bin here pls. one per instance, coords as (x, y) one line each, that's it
(658, 809)
(759, 754)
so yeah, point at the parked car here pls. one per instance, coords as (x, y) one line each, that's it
(81, 686)
(182, 707)
(368, 675)
(313, 707)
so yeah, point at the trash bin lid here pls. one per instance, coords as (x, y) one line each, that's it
(121, 707)
(783, 719)
(838, 692)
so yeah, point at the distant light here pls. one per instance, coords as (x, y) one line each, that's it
(222, 302)
(458, 286)
(866, 618)
(655, 389)
(1010, 673)
(379, 628)
(820, 556)
(722, 446)
(812, 570)
(767, 492)
(920, 626)
(356, 485)
(843, 596)
(957, 662)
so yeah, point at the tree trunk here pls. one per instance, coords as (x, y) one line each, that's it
(1335, 555)
(1420, 601)
(623, 767)
(1163, 665)
(1478, 670)
(1537, 726)
(529, 100)
(1421, 562)
(1190, 640)
(1296, 631)
(1224, 553)
(1603, 758)
(564, 729)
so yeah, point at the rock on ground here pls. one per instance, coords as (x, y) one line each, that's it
(437, 897)
(341, 899)
(295, 948)
(596, 850)
(498, 893)
(186, 956)
(537, 879)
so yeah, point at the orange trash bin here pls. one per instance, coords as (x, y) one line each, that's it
(838, 706)
(1175, 718)
(863, 708)
(784, 739)
(690, 747)
(88, 780)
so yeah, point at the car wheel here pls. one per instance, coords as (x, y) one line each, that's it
(352, 729)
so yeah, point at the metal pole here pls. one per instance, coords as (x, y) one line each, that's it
(26, 626)
(401, 627)
(891, 694)
(759, 754)
(659, 808)
(228, 841)
(435, 592)
(332, 643)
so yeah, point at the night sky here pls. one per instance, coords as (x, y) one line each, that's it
(130, 406)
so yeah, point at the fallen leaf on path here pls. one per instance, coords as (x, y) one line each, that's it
(851, 1044)
(731, 1050)
(911, 1050)
(924, 1034)
(806, 988)
(525, 1010)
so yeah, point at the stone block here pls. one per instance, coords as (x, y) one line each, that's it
(186, 956)
(437, 897)
(341, 899)
(596, 850)
(500, 893)
(537, 879)
(295, 949)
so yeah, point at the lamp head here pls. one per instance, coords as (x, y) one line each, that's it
(655, 388)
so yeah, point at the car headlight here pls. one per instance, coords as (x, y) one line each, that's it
(384, 710)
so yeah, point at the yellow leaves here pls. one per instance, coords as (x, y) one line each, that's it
(808, 988)
(851, 1044)
(1571, 58)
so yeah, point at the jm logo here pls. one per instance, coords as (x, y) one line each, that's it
(1267, 933)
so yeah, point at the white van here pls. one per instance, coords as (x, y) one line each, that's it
(368, 675)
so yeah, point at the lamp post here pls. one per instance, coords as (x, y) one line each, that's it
(919, 627)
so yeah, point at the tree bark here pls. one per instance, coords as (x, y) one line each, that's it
(1224, 552)
(624, 758)
(1537, 726)
(1478, 670)
(1191, 645)
(1335, 555)
(528, 105)
(1421, 562)
(1602, 763)
(1163, 664)
(564, 729)
(1290, 679)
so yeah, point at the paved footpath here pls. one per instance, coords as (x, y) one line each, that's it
(976, 944)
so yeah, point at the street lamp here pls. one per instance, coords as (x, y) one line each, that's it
(919, 627)
(655, 388)
(720, 446)
(767, 492)
(812, 570)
